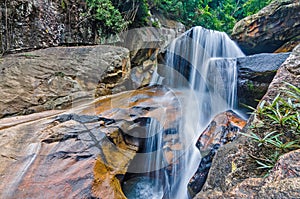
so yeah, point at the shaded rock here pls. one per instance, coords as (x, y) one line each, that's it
(34, 24)
(144, 64)
(270, 28)
(55, 78)
(255, 73)
(233, 175)
(289, 46)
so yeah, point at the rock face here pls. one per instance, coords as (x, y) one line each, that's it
(54, 78)
(270, 28)
(38, 24)
(255, 74)
(231, 175)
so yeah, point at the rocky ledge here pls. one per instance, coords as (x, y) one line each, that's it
(58, 77)
(274, 27)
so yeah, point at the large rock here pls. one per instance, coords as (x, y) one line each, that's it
(255, 74)
(54, 78)
(86, 152)
(145, 45)
(223, 129)
(233, 173)
(270, 28)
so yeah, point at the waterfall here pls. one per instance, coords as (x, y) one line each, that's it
(201, 66)
(204, 61)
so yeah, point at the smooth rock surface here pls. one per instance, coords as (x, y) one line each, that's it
(57, 77)
(84, 152)
(270, 28)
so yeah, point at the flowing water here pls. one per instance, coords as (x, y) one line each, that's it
(201, 65)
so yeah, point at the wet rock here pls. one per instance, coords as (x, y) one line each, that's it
(56, 78)
(233, 175)
(222, 130)
(142, 187)
(270, 28)
(83, 152)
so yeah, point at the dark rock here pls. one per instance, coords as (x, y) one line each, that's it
(34, 24)
(270, 28)
(289, 46)
(255, 73)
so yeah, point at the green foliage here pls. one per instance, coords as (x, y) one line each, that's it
(113, 16)
(281, 116)
(133, 11)
(218, 15)
(180, 10)
(253, 6)
(107, 18)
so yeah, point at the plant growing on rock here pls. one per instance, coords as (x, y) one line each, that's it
(280, 132)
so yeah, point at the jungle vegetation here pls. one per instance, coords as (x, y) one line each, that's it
(114, 16)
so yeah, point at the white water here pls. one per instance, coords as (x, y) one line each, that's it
(206, 58)
(201, 63)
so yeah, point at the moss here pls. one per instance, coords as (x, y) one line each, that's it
(250, 86)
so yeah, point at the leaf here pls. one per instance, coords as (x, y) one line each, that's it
(264, 166)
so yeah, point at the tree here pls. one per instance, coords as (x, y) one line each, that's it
(107, 19)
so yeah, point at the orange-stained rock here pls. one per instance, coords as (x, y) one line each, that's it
(222, 129)
(289, 46)
(105, 184)
(82, 153)
(268, 29)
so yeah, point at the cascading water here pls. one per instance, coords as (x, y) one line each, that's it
(195, 68)
(206, 59)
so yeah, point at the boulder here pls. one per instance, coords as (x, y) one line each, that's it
(233, 173)
(145, 45)
(58, 77)
(270, 28)
(255, 73)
